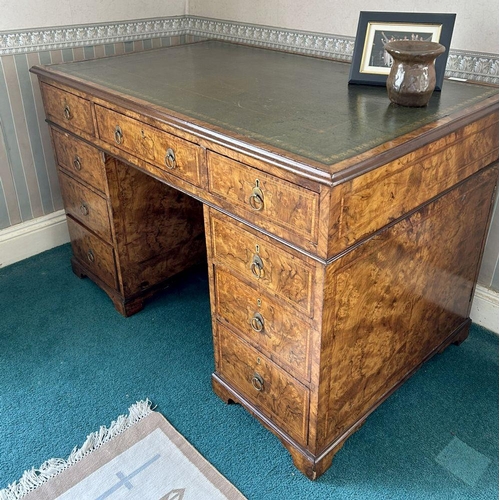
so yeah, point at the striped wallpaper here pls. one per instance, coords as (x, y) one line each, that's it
(28, 179)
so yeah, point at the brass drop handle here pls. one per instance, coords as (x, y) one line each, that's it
(257, 322)
(77, 163)
(256, 199)
(170, 159)
(90, 256)
(118, 135)
(257, 266)
(84, 209)
(258, 382)
(67, 112)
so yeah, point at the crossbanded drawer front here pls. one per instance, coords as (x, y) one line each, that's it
(269, 202)
(80, 159)
(86, 206)
(288, 276)
(278, 395)
(176, 156)
(96, 255)
(276, 330)
(67, 110)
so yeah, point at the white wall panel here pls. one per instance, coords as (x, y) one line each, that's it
(26, 14)
(476, 26)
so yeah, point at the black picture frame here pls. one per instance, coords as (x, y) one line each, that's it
(370, 62)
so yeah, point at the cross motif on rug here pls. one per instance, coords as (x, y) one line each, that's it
(125, 480)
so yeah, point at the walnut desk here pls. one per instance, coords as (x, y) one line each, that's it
(343, 233)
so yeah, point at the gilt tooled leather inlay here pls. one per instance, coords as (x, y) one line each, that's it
(301, 105)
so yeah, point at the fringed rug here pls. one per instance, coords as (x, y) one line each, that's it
(140, 456)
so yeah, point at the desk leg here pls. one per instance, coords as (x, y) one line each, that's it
(125, 306)
(457, 337)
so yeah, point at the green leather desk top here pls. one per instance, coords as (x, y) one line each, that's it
(299, 104)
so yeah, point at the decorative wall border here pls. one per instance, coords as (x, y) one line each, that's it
(482, 67)
(303, 42)
(476, 66)
(64, 37)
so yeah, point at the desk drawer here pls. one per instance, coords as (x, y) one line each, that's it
(86, 206)
(82, 160)
(176, 156)
(267, 201)
(277, 331)
(96, 255)
(268, 266)
(276, 394)
(67, 110)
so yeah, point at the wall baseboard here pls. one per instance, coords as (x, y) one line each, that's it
(33, 237)
(30, 238)
(484, 309)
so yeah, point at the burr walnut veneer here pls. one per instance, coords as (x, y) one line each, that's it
(343, 233)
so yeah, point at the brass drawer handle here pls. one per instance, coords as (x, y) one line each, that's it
(84, 209)
(258, 382)
(77, 163)
(67, 112)
(90, 256)
(257, 322)
(170, 159)
(256, 199)
(257, 266)
(118, 135)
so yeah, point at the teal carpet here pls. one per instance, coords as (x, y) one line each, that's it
(69, 364)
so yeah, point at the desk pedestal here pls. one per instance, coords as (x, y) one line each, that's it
(377, 312)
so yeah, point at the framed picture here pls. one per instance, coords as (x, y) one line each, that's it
(371, 63)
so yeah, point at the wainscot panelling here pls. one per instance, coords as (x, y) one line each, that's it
(28, 181)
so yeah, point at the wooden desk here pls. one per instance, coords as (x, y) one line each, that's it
(343, 233)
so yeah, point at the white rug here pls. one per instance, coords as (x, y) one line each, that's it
(140, 456)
